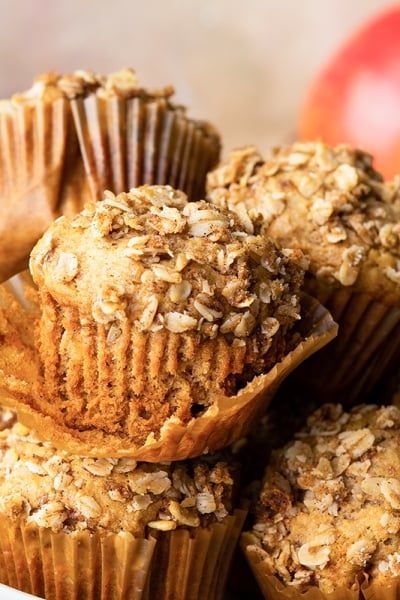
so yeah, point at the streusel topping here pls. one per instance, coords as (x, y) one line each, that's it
(52, 488)
(329, 509)
(329, 202)
(123, 83)
(163, 262)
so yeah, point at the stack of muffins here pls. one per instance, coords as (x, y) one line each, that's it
(167, 306)
(153, 334)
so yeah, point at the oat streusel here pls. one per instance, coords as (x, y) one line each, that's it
(327, 201)
(328, 511)
(331, 204)
(152, 305)
(64, 492)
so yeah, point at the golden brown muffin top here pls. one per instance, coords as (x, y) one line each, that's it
(154, 258)
(123, 83)
(55, 489)
(328, 510)
(44, 88)
(329, 202)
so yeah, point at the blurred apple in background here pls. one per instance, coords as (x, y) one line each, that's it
(355, 98)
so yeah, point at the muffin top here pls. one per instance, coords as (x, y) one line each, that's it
(44, 88)
(328, 511)
(122, 83)
(65, 492)
(161, 262)
(329, 202)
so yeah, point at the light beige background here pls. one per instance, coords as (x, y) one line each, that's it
(244, 65)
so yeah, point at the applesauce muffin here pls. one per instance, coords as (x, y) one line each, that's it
(154, 308)
(334, 206)
(94, 528)
(71, 136)
(130, 135)
(327, 519)
(37, 141)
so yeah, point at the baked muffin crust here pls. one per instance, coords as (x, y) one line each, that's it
(329, 202)
(65, 492)
(328, 511)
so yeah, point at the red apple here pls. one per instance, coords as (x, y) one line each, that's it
(355, 98)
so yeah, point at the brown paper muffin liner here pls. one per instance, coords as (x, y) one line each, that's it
(368, 340)
(33, 137)
(181, 564)
(223, 423)
(57, 153)
(130, 141)
(373, 591)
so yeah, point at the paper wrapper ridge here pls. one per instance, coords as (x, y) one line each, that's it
(180, 564)
(33, 138)
(366, 346)
(128, 142)
(222, 424)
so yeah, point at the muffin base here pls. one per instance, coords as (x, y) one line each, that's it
(228, 419)
(189, 564)
(348, 369)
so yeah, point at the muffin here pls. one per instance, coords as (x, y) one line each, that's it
(131, 136)
(327, 521)
(35, 132)
(164, 327)
(333, 205)
(113, 528)
(70, 137)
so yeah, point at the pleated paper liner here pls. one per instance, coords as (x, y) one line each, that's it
(182, 564)
(373, 591)
(349, 368)
(143, 139)
(227, 420)
(33, 138)
(273, 589)
(53, 161)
